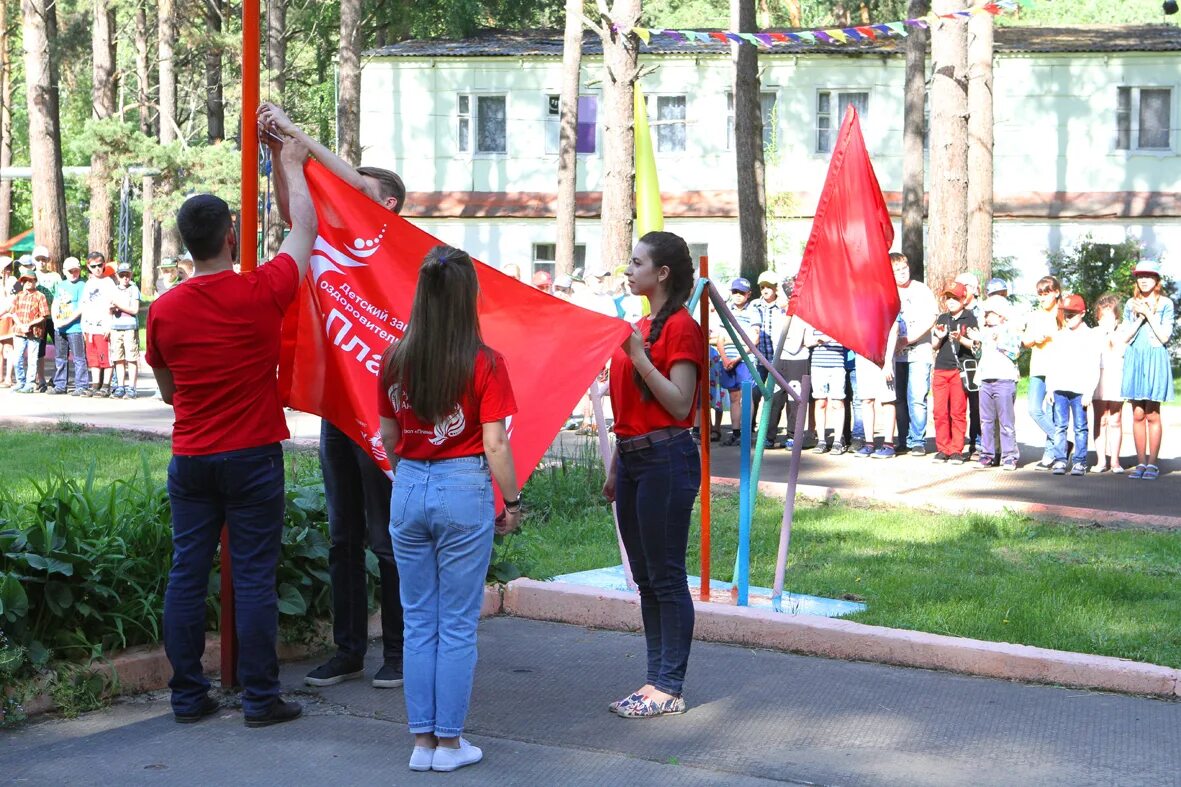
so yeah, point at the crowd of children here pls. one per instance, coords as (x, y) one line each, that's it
(956, 357)
(91, 323)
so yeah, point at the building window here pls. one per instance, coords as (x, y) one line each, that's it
(767, 104)
(1143, 116)
(830, 111)
(670, 124)
(487, 114)
(584, 135)
(545, 257)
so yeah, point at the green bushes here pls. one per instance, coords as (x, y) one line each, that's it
(83, 567)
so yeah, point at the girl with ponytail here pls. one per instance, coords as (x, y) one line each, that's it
(655, 474)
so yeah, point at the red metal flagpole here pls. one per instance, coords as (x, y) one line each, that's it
(248, 257)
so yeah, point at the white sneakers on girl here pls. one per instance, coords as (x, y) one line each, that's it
(450, 759)
(421, 758)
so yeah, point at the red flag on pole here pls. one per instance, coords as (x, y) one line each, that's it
(356, 299)
(845, 287)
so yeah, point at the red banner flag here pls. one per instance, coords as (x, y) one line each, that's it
(356, 300)
(845, 287)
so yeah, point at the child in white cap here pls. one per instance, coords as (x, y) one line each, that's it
(997, 371)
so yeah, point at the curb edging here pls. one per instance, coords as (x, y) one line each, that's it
(842, 639)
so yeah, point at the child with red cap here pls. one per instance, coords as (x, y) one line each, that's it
(1073, 375)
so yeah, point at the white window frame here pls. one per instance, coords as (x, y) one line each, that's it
(1133, 110)
(770, 123)
(472, 119)
(834, 116)
(545, 255)
(553, 124)
(654, 123)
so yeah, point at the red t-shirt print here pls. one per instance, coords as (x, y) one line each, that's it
(219, 336)
(489, 398)
(680, 340)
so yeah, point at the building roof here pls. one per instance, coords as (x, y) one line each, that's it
(548, 43)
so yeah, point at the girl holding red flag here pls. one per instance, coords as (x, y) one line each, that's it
(443, 398)
(655, 474)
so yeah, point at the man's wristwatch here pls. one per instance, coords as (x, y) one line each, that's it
(513, 505)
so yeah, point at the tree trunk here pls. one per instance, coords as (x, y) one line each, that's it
(102, 45)
(949, 146)
(748, 144)
(166, 68)
(620, 70)
(170, 242)
(567, 135)
(143, 74)
(215, 108)
(276, 87)
(5, 122)
(45, 150)
(913, 130)
(147, 272)
(980, 133)
(348, 100)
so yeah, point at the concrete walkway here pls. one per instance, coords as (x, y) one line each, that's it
(539, 712)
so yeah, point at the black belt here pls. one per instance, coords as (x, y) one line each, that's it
(629, 444)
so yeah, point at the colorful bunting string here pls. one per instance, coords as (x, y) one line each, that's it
(833, 35)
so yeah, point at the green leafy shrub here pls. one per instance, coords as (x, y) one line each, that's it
(1091, 269)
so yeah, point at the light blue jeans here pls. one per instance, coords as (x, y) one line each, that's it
(1041, 414)
(441, 518)
(918, 392)
(1069, 414)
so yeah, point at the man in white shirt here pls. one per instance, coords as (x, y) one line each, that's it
(914, 360)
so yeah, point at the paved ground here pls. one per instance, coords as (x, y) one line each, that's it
(539, 712)
(926, 480)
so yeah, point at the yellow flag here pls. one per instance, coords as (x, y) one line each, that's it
(649, 216)
(644, 34)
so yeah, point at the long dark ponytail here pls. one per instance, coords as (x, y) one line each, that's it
(434, 362)
(671, 251)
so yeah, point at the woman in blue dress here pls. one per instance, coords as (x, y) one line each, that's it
(1148, 376)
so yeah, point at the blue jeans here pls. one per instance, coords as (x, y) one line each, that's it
(441, 516)
(918, 393)
(1068, 411)
(654, 492)
(70, 346)
(25, 352)
(1042, 415)
(244, 490)
(853, 413)
(358, 497)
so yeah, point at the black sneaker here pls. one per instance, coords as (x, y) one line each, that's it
(208, 707)
(731, 439)
(279, 712)
(838, 449)
(940, 456)
(918, 450)
(337, 669)
(388, 677)
(955, 459)
(820, 448)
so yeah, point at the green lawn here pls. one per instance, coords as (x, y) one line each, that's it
(1002, 578)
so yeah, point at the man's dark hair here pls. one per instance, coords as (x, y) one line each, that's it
(204, 221)
(96, 255)
(388, 184)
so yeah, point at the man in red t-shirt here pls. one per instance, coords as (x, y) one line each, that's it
(214, 348)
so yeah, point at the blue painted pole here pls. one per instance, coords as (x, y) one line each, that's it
(742, 569)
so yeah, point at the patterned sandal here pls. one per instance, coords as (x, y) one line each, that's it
(1137, 472)
(631, 699)
(648, 708)
(1151, 472)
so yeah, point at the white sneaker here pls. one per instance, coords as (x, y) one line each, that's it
(450, 759)
(421, 758)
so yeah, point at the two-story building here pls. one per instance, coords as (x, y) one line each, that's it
(1086, 138)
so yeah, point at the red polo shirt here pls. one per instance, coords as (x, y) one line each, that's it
(680, 340)
(219, 336)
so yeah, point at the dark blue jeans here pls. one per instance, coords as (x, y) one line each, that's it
(654, 492)
(244, 490)
(358, 495)
(1069, 412)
